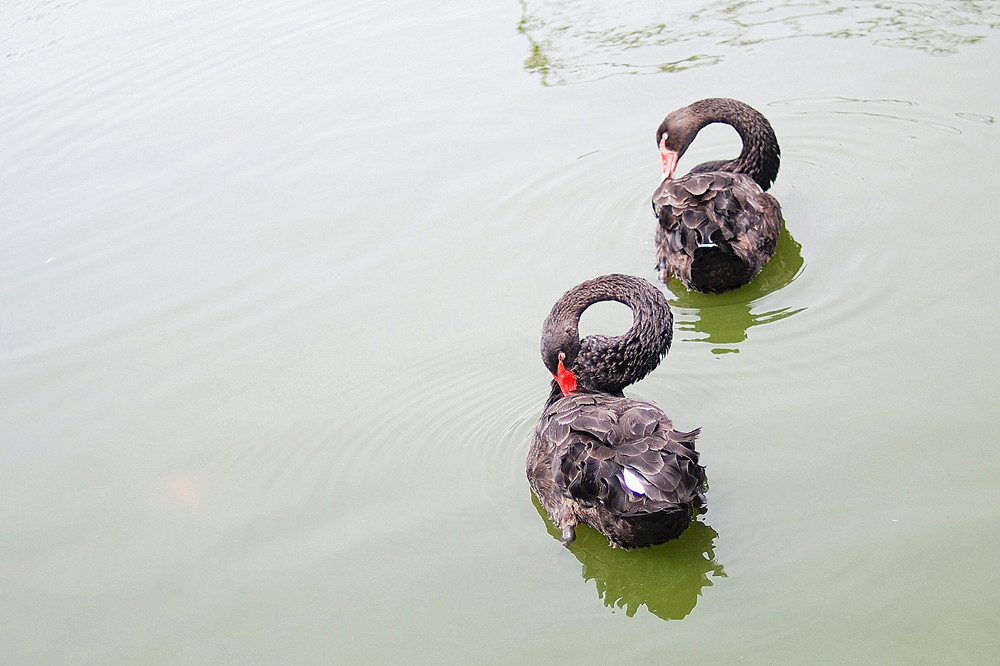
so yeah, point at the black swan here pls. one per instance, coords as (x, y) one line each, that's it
(717, 226)
(597, 457)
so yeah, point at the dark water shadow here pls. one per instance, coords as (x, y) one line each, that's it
(574, 41)
(724, 319)
(667, 579)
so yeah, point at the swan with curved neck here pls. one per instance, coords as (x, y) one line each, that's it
(717, 225)
(598, 457)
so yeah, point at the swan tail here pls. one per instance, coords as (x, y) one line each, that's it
(638, 530)
(716, 268)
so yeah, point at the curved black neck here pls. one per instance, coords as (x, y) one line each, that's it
(760, 156)
(609, 363)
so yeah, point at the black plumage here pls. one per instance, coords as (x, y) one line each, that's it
(598, 457)
(717, 225)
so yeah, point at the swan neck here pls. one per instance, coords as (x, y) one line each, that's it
(760, 156)
(609, 363)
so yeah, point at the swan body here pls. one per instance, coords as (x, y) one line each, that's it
(717, 225)
(598, 457)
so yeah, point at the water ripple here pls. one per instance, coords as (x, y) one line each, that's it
(571, 43)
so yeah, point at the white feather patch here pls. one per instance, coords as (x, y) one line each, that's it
(633, 481)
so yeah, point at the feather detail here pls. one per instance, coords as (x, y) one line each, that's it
(733, 216)
(619, 457)
(633, 481)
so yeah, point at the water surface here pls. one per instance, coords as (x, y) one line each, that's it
(272, 281)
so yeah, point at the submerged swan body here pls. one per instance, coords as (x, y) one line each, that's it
(717, 225)
(597, 457)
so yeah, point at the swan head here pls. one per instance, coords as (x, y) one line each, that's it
(560, 348)
(675, 135)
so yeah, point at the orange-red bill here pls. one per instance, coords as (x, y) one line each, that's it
(669, 158)
(565, 378)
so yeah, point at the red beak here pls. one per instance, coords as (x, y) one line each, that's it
(669, 158)
(565, 378)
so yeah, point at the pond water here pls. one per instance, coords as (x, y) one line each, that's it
(271, 287)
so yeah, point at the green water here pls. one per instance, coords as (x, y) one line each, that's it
(271, 283)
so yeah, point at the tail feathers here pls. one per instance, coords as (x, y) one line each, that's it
(715, 269)
(637, 530)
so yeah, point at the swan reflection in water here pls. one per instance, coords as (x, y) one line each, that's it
(724, 319)
(667, 579)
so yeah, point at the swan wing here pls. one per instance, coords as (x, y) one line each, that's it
(714, 209)
(621, 454)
